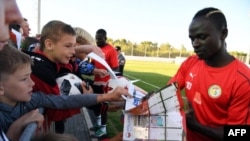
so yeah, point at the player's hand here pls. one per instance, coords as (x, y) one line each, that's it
(117, 94)
(191, 120)
(86, 88)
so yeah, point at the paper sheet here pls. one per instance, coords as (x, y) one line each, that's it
(92, 55)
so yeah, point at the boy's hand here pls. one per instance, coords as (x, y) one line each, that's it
(116, 95)
(15, 130)
(33, 116)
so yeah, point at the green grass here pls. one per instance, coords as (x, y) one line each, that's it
(155, 73)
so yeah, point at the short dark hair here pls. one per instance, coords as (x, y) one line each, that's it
(118, 48)
(215, 15)
(101, 31)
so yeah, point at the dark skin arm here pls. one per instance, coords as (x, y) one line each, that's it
(213, 133)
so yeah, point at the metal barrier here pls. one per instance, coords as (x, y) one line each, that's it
(30, 129)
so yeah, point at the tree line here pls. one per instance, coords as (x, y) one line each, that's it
(153, 49)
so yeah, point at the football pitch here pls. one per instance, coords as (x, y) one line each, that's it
(151, 76)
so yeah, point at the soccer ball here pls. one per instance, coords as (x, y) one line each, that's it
(113, 83)
(69, 84)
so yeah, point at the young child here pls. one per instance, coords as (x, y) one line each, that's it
(57, 44)
(85, 66)
(17, 99)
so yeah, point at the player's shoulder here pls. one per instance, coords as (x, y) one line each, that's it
(110, 47)
(191, 60)
(242, 68)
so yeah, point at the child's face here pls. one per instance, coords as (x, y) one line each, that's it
(63, 50)
(18, 86)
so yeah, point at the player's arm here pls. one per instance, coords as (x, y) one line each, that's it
(239, 110)
(192, 124)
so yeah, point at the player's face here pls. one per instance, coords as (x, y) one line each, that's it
(63, 50)
(205, 38)
(9, 13)
(18, 86)
(100, 40)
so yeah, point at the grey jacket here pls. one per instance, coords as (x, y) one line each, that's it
(9, 114)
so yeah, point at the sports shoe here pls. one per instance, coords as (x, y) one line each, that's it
(99, 134)
(95, 127)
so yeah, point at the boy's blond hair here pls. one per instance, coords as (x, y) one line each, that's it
(11, 60)
(83, 37)
(54, 30)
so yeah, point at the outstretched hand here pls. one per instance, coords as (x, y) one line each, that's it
(116, 95)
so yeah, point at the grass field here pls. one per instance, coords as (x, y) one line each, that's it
(152, 76)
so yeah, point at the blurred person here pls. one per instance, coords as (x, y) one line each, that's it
(110, 56)
(121, 60)
(214, 100)
(85, 66)
(9, 14)
(30, 44)
(25, 28)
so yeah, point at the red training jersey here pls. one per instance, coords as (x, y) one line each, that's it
(219, 96)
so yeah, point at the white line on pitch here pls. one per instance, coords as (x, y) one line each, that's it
(144, 82)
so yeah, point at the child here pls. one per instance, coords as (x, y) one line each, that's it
(57, 44)
(85, 67)
(17, 99)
